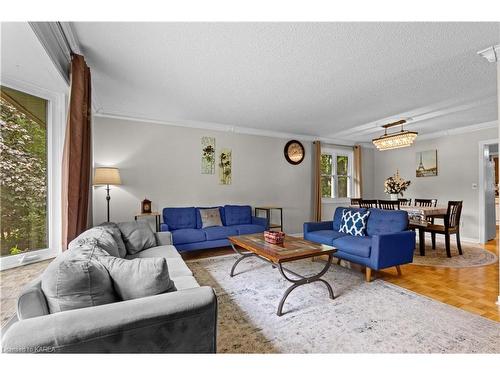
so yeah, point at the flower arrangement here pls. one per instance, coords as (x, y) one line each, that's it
(395, 184)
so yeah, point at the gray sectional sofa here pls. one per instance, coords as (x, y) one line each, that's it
(180, 320)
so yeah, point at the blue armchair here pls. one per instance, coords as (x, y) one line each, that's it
(387, 243)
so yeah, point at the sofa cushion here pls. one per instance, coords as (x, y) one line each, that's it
(100, 235)
(31, 302)
(355, 245)
(179, 217)
(137, 278)
(235, 215)
(324, 236)
(185, 282)
(386, 221)
(210, 217)
(248, 228)
(137, 236)
(354, 222)
(167, 251)
(217, 233)
(181, 236)
(76, 279)
(117, 235)
(198, 216)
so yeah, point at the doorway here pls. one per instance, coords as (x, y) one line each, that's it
(488, 190)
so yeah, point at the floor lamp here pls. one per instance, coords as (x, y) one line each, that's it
(107, 176)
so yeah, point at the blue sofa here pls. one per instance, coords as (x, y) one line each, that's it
(387, 243)
(187, 233)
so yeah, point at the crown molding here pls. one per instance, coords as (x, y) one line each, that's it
(222, 128)
(492, 54)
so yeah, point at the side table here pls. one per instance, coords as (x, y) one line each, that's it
(268, 210)
(156, 215)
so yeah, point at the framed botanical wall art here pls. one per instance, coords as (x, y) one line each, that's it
(225, 166)
(426, 163)
(207, 155)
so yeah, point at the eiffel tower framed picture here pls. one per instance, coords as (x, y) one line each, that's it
(427, 163)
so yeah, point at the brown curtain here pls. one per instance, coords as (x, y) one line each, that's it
(77, 153)
(358, 192)
(317, 181)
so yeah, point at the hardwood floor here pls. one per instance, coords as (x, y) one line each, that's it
(472, 289)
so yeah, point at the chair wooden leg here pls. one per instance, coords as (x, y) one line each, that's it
(447, 244)
(459, 245)
(398, 268)
(338, 261)
(433, 240)
(368, 274)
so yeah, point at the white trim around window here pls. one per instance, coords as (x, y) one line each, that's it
(56, 117)
(350, 172)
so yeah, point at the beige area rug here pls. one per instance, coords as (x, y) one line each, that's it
(376, 317)
(474, 255)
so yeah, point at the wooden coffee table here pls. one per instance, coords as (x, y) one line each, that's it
(292, 249)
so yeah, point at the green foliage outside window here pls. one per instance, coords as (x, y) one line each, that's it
(23, 181)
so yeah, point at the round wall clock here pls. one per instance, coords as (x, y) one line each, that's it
(294, 152)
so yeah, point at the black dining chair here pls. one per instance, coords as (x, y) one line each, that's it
(368, 203)
(426, 202)
(388, 205)
(451, 226)
(404, 201)
(355, 201)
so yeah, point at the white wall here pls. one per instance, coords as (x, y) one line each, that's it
(458, 170)
(162, 163)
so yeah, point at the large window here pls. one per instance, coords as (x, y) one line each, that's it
(336, 173)
(23, 172)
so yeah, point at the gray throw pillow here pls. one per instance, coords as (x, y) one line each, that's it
(139, 277)
(117, 235)
(137, 236)
(76, 279)
(101, 235)
(210, 217)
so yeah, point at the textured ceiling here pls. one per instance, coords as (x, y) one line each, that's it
(337, 80)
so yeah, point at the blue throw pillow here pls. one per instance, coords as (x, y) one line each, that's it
(354, 222)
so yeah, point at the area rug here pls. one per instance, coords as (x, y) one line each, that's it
(474, 255)
(375, 317)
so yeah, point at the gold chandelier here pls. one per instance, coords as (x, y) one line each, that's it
(403, 138)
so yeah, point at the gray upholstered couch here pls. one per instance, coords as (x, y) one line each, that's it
(181, 321)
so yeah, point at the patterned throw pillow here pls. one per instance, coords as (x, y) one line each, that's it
(210, 217)
(354, 222)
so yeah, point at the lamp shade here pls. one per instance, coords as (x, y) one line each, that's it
(107, 176)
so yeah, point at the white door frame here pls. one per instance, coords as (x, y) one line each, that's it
(481, 205)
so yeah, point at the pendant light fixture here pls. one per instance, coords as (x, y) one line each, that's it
(403, 138)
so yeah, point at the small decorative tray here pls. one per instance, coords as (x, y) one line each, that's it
(274, 237)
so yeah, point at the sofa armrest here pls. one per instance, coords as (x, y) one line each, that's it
(313, 226)
(392, 249)
(260, 221)
(163, 238)
(177, 322)
(164, 227)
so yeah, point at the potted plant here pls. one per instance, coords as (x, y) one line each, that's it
(395, 186)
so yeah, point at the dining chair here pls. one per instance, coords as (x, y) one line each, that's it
(388, 205)
(426, 202)
(368, 203)
(355, 201)
(451, 226)
(404, 201)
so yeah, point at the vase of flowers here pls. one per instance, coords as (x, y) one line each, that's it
(395, 186)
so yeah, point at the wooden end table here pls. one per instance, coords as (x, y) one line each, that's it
(156, 215)
(292, 249)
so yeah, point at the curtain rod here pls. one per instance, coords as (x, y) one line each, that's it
(336, 145)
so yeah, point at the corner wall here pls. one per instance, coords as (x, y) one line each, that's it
(162, 163)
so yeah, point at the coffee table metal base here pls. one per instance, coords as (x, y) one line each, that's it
(300, 280)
